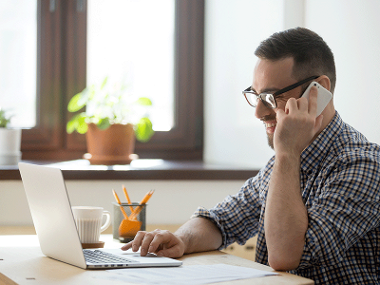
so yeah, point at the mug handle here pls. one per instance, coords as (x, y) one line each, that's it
(108, 221)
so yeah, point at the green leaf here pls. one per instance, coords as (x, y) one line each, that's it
(82, 127)
(4, 119)
(70, 127)
(77, 123)
(144, 130)
(144, 101)
(104, 83)
(103, 123)
(76, 103)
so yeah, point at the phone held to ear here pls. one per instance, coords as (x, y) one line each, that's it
(324, 96)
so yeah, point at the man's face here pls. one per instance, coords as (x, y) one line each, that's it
(269, 77)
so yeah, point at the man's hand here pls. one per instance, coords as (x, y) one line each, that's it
(160, 242)
(297, 125)
(196, 235)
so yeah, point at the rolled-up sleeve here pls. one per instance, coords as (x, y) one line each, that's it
(237, 215)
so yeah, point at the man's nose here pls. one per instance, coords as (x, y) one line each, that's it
(261, 110)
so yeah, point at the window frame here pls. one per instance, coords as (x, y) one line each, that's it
(61, 73)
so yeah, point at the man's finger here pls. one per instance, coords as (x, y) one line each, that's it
(303, 104)
(127, 246)
(313, 101)
(291, 105)
(136, 243)
(145, 244)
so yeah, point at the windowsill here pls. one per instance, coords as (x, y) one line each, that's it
(140, 169)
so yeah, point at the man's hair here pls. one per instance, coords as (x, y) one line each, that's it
(312, 56)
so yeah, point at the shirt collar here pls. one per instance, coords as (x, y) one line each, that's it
(313, 154)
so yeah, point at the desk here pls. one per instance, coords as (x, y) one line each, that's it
(22, 262)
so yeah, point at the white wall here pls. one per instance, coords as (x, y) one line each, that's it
(234, 29)
(352, 29)
(172, 203)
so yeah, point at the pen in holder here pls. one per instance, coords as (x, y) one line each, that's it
(124, 229)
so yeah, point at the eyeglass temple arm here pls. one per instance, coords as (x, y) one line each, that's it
(295, 85)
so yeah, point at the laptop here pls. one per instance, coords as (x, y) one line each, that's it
(57, 233)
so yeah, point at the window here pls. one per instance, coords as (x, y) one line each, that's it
(62, 72)
(134, 45)
(18, 49)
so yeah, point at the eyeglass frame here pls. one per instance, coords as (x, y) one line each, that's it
(278, 92)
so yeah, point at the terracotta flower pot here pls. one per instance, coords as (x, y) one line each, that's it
(114, 145)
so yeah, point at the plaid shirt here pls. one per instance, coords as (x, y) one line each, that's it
(340, 182)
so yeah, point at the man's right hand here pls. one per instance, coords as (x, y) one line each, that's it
(160, 242)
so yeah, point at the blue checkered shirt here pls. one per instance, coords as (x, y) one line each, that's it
(340, 182)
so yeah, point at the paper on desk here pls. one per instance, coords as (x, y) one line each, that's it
(192, 274)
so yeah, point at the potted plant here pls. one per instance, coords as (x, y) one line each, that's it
(10, 141)
(112, 119)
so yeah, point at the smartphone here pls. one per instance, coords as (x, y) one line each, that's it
(324, 96)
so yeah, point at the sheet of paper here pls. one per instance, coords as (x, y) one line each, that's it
(185, 275)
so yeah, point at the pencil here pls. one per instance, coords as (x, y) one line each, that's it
(138, 209)
(128, 199)
(118, 201)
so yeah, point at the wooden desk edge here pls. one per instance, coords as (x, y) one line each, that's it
(6, 281)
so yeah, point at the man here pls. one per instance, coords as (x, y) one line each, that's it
(315, 205)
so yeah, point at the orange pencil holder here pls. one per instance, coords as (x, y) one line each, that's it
(125, 230)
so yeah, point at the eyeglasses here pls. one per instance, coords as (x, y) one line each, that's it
(269, 99)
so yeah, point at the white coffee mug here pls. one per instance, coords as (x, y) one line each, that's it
(89, 222)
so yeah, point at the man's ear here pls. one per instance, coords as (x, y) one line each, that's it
(324, 81)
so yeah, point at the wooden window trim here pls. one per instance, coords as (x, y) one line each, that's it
(62, 73)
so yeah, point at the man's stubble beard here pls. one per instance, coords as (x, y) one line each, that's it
(270, 140)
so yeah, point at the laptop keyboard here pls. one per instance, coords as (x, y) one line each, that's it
(101, 257)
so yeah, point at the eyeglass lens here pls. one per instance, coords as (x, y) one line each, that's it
(267, 99)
